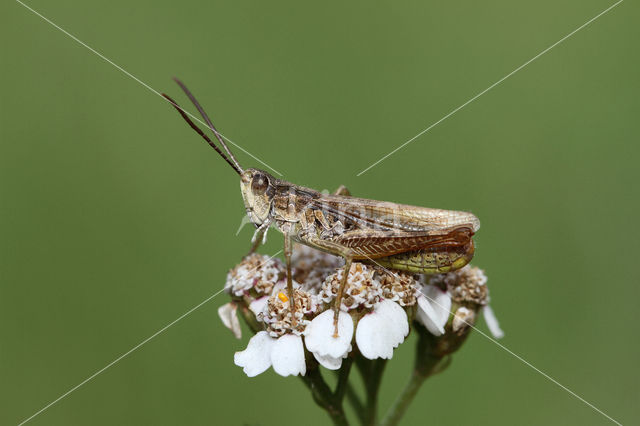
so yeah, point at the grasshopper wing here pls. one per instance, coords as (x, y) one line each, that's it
(382, 215)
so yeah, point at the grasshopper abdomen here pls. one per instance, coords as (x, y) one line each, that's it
(430, 261)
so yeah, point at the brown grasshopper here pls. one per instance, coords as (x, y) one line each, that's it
(396, 236)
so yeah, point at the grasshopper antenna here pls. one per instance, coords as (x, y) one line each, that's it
(199, 131)
(206, 118)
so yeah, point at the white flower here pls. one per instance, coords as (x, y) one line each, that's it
(434, 306)
(229, 316)
(258, 305)
(382, 330)
(285, 354)
(320, 340)
(492, 322)
(257, 357)
(255, 272)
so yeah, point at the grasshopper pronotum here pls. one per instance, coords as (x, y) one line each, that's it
(396, 236)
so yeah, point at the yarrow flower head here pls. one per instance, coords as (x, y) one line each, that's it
(374, 314)
(279, 319)
(363, 289)
(463, 292)
(250, 283)
(256, 274)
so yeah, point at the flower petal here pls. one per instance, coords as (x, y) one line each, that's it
(228, 315)
(463, 319)
(328, 362)
(319, 334)
(492, 322)
(287, 356)
(382, 330)
(257, 306)
(434, 306)
(257, 357)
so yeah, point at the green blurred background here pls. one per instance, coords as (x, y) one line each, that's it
(115, 218)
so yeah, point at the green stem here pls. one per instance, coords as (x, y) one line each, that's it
(371, 371)
(343, 380)
(324, 397)
(404, 400)
(249, 318)
(351, 394)
(433, 355)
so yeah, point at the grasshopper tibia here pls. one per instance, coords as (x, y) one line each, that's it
(287, 255)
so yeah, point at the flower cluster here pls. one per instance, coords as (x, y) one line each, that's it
(375, 312)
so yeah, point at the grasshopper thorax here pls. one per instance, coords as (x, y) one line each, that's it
(258, 189)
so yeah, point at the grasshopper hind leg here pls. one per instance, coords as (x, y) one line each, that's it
(342, 190)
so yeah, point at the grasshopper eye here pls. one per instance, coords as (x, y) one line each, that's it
(260, 183)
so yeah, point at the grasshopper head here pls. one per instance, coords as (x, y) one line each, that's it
(257, 188)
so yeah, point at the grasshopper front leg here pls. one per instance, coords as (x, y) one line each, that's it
(288, 249)
(348, 259)
(259, 237)
(255, 243)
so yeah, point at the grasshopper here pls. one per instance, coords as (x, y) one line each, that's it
(407, 238)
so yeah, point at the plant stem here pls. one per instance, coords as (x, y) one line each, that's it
(433, 355)
(371, 371)
(402, 403)
(324, 397)
(351, 394)
(249, 318)
(426, 366)
(343, 380)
